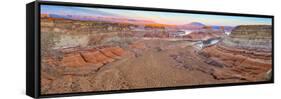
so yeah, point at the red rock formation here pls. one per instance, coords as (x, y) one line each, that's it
(57, 74)
(95, 57)
(245, 54)
(117, 51)
(108, 53)
(72, 60)
(76, 58)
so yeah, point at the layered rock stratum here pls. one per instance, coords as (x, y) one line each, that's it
(245, 54)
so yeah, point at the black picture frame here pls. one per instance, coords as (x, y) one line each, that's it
(33, 48)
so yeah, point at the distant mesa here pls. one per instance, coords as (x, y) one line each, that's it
(196, 24)
(192, 26)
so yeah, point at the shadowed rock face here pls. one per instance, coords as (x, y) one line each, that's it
(245, 54)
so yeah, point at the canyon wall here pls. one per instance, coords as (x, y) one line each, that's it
(246, 54)
(254, 37)
(59, 34)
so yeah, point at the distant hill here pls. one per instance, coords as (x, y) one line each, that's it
(196, 24)
(193, 26)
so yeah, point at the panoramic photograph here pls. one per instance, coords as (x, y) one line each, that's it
(87, 49)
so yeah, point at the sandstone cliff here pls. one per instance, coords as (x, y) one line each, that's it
(245, 54)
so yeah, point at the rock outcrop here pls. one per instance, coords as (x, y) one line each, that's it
(254, 37)
(74, 64)
(246, 54)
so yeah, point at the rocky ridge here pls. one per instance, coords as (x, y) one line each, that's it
(75, 65)
(245, 54)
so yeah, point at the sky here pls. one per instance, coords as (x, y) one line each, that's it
(159, 17)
